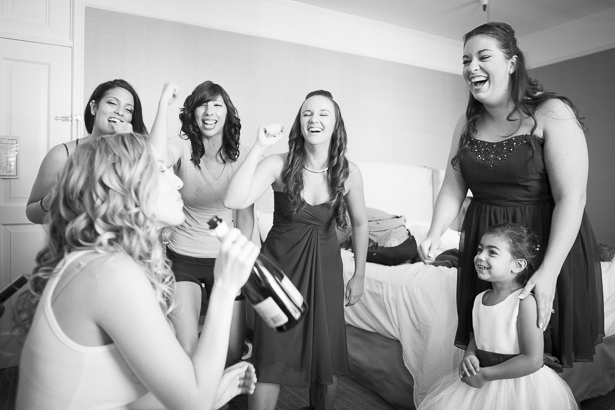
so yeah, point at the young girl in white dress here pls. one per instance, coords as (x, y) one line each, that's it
(503, 365)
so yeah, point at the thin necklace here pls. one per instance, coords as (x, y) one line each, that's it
(316, 171)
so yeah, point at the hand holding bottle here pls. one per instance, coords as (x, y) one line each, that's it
(235, 260)
(272, 294)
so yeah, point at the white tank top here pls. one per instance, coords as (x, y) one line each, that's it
(55, 373)
(495, 327)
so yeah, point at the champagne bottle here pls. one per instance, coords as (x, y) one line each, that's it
(268, 289)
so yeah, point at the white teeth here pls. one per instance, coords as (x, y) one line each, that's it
(114, 120)
(478, 79)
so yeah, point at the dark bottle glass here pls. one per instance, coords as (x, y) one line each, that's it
(273, 296)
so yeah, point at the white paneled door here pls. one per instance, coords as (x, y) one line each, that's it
(35, 89)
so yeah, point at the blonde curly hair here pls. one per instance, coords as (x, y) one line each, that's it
(104, 201)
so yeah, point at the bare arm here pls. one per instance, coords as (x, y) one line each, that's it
(136, 324)
(567, 164)
(45, 181)
(449, 202)
(253, 177)
(245, 220)
(470, 365)
(158, 135)
(355, 200)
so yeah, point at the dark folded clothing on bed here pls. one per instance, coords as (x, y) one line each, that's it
(447, 258)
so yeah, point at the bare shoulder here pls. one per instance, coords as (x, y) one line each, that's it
(355, 178)
(554, 109)
(274, 163)
(460, 125)
(353, 170)
(276, 160)
(528, 306)
(115, 271)
(58, 154)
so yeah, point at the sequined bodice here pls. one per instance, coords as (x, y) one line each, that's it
(508, 172)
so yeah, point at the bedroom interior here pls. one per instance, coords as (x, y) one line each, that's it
(396, 76)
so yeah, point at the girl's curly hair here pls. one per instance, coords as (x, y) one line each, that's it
(522, 244)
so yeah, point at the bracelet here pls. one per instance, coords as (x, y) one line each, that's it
(41, 204)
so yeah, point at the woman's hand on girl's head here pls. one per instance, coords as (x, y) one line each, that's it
(268, 135)
(237, 379)
(235, 260)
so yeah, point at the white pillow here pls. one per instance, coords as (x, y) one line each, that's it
(264, 222)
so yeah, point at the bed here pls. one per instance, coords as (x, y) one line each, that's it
(400, 333)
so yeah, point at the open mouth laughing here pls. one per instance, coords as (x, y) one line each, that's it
(478, 82)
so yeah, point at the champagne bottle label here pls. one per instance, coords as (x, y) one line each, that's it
(292, 308)
(271, 313)
(292, 291)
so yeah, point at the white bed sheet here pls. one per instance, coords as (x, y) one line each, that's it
(415, 304)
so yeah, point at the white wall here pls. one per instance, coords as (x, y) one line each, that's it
(393, 112)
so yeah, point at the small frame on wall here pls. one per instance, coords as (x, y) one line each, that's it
(9, 157)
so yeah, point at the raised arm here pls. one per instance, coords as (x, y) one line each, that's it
(158, 135)
(567, 164)
(254, 176)
(355, 201)
(245, 220)
(37, 207)
(141, 332)
(449, 202)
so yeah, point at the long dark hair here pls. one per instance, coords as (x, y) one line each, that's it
(203, 93)
(527, 94)
(522, 244)
(138, 125)
(292, 176)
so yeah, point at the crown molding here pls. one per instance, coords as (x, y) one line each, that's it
(294, 22)
(574, 39)
(302, 24)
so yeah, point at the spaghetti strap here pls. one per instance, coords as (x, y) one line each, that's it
(71, 271)
(66, 148)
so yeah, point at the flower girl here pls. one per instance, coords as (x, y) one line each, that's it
(503, 365)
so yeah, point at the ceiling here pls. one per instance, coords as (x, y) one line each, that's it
(453, 18)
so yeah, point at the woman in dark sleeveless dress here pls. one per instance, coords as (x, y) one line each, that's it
(522, 152)
(314, 184)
